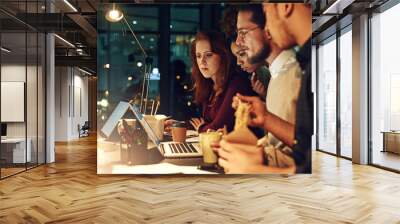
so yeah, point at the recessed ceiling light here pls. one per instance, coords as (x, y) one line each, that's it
(5, 50)
(64, 40)
(84, 71)
(70, 5)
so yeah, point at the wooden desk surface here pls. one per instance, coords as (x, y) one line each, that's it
(147, 161)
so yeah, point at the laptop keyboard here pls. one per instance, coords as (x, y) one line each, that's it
(182, 148)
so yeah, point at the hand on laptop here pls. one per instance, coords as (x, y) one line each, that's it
(168, 123)
(196, 123)
(125, 132)
(239, 158)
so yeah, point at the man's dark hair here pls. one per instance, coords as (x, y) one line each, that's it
(257, 16)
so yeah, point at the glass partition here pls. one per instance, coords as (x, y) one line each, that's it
(385, 89)
(14, 54)
(327, 96)
(346, 93)
(22, 88)
(31, 97)
(185, 22)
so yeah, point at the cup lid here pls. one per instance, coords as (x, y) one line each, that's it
(180, 124)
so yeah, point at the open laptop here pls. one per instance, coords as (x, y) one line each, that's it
(168, 149)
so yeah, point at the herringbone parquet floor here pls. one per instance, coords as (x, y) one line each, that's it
(70, 191)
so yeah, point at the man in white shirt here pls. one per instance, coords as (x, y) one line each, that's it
(284, 86)
(282, 93)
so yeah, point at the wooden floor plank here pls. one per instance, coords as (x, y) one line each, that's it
(70, 191)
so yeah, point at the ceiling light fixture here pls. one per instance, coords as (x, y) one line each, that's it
(114, 15)
(70, 5)
(65, 41)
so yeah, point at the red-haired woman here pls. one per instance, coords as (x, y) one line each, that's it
(215, 83)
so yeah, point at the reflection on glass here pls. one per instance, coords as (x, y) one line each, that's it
(385, 84)
(185, 22)
(122, 64)
(346, 94)
(327, 96)
(184, 19)
(41, 99)
(23, 82)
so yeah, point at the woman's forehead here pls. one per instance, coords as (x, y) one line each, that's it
(202, 46)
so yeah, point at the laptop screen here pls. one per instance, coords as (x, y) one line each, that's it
(145, 125)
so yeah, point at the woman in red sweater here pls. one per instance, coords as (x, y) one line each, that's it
(215, 82)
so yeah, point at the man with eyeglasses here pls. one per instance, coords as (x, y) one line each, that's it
(283, 90)
(260, 75)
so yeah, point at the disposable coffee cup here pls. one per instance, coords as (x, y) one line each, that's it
(205, 141)
(178, 130)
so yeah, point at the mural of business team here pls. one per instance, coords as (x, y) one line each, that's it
(290, 130)
(265, 35)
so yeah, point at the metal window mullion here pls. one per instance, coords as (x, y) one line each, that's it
(0, 90)
(26, 87)
(317, 95)
(338, 96)
(369, 81)
(37, 91)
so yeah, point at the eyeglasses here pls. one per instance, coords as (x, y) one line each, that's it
(243, 32)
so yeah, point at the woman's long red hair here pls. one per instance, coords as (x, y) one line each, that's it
(203, 88)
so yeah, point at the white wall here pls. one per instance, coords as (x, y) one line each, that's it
(13, 73)
(71, 102)
(61, 103)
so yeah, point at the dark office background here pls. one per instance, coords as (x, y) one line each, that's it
(165, 32)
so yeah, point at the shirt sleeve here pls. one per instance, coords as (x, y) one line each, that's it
(225, 115)
(304, 125)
